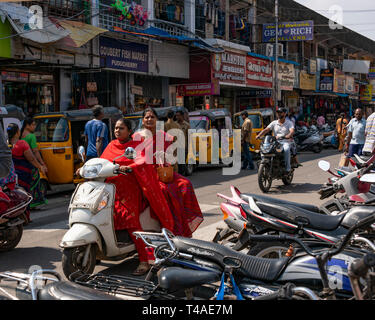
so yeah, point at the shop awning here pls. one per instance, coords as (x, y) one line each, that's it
(19, 17)
(324, 93)
(80, 33)
(156, 33)
(257, 55)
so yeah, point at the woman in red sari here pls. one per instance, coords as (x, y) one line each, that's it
(130, 198)
(180, 193)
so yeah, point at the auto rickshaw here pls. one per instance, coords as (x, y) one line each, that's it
(260, 119)
(204, 121)
(59, 134)
(10, 113)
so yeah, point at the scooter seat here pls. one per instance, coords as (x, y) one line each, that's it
(298, 215)
(65, 290)
(173, 278)
(256, 197)
(251, 267)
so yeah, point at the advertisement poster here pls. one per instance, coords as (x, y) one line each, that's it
(326, 80)
(307, 81)
(339, 81)
(286, 76)
(199, 89)
(123, 55)
(289, 31)
(366, 93)
(229, 67)
(258, 72)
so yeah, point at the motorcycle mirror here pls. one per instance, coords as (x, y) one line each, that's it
(369, 177)
(81, 153)
(130, 153)
(324, 165)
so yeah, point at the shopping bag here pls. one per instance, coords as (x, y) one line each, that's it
(92, 100)
(91, 86)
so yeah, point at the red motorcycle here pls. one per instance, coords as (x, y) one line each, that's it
(13, 204)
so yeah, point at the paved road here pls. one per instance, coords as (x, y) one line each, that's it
(39, 244)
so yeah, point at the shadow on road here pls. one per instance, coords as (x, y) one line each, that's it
(295, 188)
(21, 259)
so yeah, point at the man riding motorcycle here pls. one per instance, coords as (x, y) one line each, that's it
(283, 130)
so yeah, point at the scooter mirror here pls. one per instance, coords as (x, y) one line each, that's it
(81, 153)
(369, 177)
(130, 153)
(324, 165)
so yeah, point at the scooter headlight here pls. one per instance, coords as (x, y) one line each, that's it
(90, 197)
(91, 172)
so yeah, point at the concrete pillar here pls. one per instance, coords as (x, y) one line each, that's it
(65, 89)
(190, 15)
(149, 6)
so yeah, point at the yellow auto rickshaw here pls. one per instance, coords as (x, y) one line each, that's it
(59, 134)
(260, 119)
(204, 121)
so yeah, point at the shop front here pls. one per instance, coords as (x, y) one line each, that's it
(33, 92)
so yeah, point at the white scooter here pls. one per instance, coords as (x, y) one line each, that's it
(92, 236)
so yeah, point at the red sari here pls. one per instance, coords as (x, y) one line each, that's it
(180, 195)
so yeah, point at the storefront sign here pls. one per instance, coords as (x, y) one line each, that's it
(349, 85)
(138, 90)
(338, 81)
(41, 78)
(313, 66)
(14, 76)
(258, 72)
(254, 93)
(289, 31)
(307, 81)
(326, 80)
(123, 55)
(286, 76)
(229, 67)
(366, 93)
(198, 89)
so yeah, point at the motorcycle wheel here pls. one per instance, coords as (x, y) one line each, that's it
(14, 239)
(264, 178)
(317, 148)
(287, 180)
(271, 250)
(72, 259)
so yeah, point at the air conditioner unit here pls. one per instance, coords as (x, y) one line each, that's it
(269, 50)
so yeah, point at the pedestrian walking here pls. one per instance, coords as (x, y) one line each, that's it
(27, 134)
(246, 130)
(185, 126)
(356, 135)
(341, 130)
(96, 134)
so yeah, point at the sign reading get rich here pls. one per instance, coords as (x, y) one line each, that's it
(123, 55)
(258, 72)
(289, 31)
(229, 67)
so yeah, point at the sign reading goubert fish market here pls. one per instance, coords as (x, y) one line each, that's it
(289, 31)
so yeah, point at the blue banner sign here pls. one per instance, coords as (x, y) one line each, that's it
(289, 31)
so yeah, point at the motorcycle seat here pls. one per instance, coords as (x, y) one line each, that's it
(174, 278)
(65, 290)
(256, 197)
(251, 267)
(297, 215)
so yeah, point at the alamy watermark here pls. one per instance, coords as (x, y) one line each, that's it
(336, 17)
(213, 147)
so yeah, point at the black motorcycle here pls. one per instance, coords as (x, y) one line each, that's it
(272, 164)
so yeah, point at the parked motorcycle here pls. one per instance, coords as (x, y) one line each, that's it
(329, 137)
(308, 139)
(92, 236)
(272, 164)
(255, 276)
(13, 204)
(245, 213)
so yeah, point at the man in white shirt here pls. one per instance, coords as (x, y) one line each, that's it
(283, 130)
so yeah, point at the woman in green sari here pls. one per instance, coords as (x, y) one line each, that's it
(27, 134)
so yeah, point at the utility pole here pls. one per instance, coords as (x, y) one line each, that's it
(276, 92)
